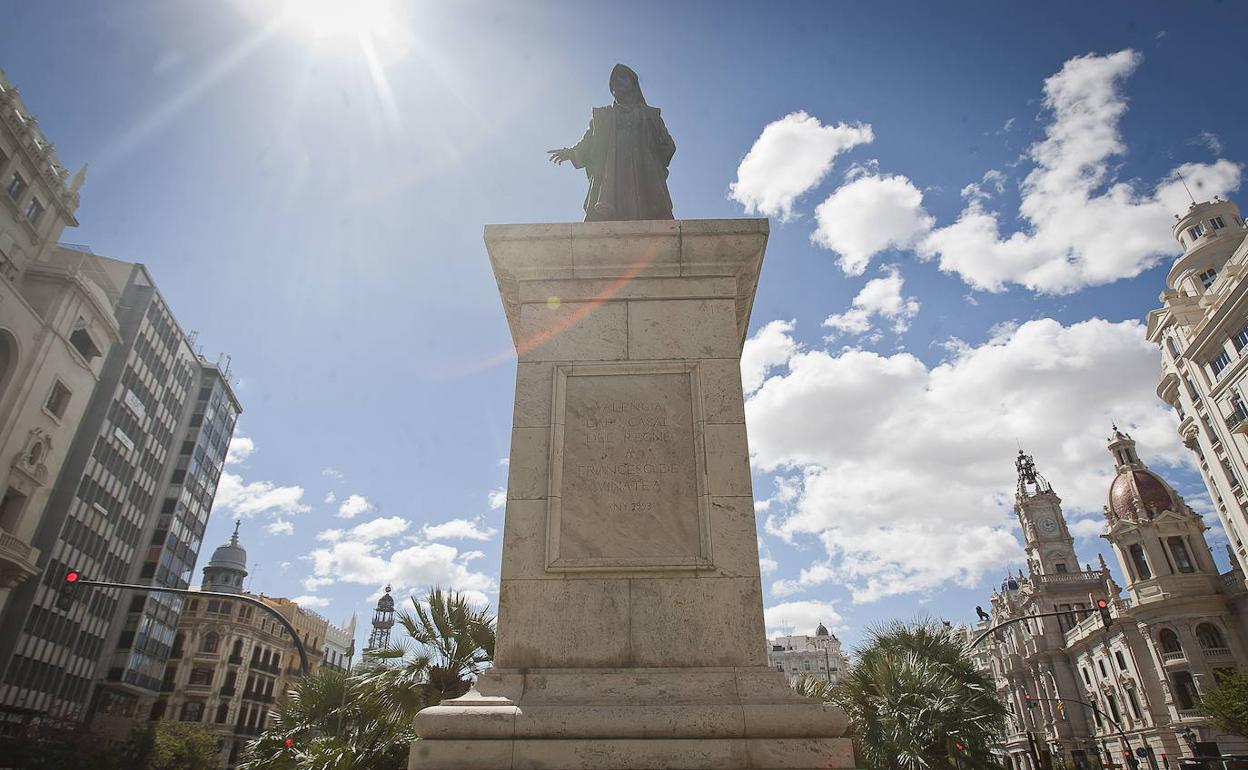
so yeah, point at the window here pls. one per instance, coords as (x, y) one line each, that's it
(1100, 664)
(1217, 223)
(16, 186)
(1230, 474)
(1182, 558)
(1208, 277)
(1241, 338)
(34, 211)
(1113, 708)
(58, 400)
(1221, 362)
(11, 507)
(1196, 230)
(1135, 704)
(201, 675)
(1086, 679)
(222, 711)
(210, 642)
(83, 343)
(1060, 567)
(1120, 660)
(1209, 637)
(1139, 562)
(1184, 689)
(193, 711)
(1169, 642)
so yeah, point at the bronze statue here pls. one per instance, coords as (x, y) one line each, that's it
(625, 153)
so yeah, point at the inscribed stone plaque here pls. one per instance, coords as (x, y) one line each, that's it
(628, 492)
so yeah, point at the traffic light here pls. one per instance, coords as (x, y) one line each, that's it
(69, 590)
(959, 745)
(1028, 702)
(289, 743)
(1103, 607)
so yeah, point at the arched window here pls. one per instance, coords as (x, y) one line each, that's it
(238, 649)
(1169, 642)
(178, 641)
(210, 642)
(1209, 637)
(1182, 559)
(1139, 561)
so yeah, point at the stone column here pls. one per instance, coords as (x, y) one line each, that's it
(630, 629)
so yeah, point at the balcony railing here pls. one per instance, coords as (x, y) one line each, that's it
(1170, 657)
(1216, 652)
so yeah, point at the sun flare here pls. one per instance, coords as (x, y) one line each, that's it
(327, 19)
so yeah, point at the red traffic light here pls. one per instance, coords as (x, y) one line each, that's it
(72, 576)
(1101, 604)
(960, 746)
(289, 742)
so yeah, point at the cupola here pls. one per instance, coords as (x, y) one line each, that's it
(227, 568)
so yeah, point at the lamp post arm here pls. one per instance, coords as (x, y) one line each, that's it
(303, 653)
(1020, 618)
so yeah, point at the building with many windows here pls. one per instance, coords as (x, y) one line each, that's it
(1082, 694)
(130, 505)
(1202, 329)
(56, 330)
(232, 662)
(818, 656)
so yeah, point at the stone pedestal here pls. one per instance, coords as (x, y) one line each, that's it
(630, 629)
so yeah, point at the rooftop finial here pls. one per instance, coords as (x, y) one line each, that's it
(234, 539)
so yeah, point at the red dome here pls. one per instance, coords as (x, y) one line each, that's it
(1150, 489)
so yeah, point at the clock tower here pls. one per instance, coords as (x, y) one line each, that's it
(1050, 547)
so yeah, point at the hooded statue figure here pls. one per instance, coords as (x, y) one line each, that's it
(625, 153)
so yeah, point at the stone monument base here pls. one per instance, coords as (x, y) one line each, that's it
(632, 719)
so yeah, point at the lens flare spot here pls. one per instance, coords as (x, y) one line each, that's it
(552, 303)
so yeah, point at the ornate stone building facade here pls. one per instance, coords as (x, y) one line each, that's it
(231, 662)
(1084, 695)
(1202, 330)
(56, 329)
(819, 656)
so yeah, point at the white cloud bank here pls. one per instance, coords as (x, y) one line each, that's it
(353, 506)
(1081, 224)
(791, 156)
(904, 473)
(799, 617)
(458, 529)
(251, 498)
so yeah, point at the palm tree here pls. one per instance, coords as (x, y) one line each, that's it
(915, 700)
(363, 720)
(451, 643)
(329, 722)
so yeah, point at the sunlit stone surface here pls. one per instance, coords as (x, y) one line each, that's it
(630, 630)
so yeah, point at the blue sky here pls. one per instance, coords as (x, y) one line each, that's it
(313, 206)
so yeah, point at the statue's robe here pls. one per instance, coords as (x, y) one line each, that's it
(625, 153)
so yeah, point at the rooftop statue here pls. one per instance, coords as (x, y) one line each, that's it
(625, 153)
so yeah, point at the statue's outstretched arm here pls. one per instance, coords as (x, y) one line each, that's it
(579, 155)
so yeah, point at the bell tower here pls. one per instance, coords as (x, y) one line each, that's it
(1050, 547)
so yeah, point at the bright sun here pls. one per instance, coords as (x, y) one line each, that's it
(340, 18)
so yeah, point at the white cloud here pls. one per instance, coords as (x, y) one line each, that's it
(868, 215)
(421, 564)
(770, 347)
(308, 601)
(332, 473)
(504, 461)
(353, 506)
(497, 498)
(1087, 529)
(366, 532)
(904, 473)
(330, 498)
(280, 527)
(1084, 227)
(790, 156)
(1209, 140)
(458, 529)
(767, 565)
(880, 297)
(250, 498)
(799, 617)
(241, 447)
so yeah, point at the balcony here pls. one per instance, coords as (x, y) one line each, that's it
(1216, 652)
(1173, 657)
(17, 558)
(268, 668)
(236, 660)
(258, 697)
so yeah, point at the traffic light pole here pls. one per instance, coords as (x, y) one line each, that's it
(303, 653)
(1125, 741)
(1020, 618)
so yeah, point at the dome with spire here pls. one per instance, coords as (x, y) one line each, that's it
(822, 630)
(1136, 492)
(227, 567)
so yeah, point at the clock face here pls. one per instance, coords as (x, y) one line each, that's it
(1048, 526)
